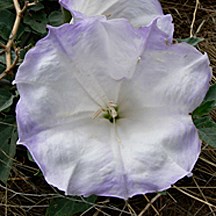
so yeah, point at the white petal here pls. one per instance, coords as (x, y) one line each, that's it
(138, 12)
(75, 70)
(158, 148)
(150, 156)
(76, 155)
(171, 75)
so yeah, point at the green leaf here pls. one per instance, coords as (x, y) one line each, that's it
(6, 97)
(211, 94)
(2, 68)
(6, 4)
(208, 135)
(6, 23)
(204, 108)
(36, 21)
(204, 123)
(37, 7)
(69, 206)
(208, 103)
(206, 129)
(8, 137)
(56, 18)
(67, 15)
(191, 40)
(30, 157)
(163, 193)
(2, 57)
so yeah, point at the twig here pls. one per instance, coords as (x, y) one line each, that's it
(90, 208)
(100, 211)
(6, 196)
(31, 195)
(7, 48)
(194, 18)
(131, 210)
(19, 14)
(24, 206)
(207, 161)
(213, 214)
(2, 45)
(199, 27)
(196, 198)
(150, 204)
(11, 66)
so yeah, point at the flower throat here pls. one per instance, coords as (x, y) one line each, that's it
(111, 112)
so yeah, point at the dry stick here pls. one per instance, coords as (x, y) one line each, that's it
(2, 45)
(24, 206)
(100, 211)
(131, 210)
(194, 18)
(7, 47)
(213, 214)
(207, 161)
(149, 204)
(6, 207)
(95, 214)
(196, 198)
(193, 187)
(172, 197)
(199, 27)
(90, 208)
(9, 68)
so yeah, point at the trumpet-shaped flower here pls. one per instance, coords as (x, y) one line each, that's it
(104, 107)
(137, 12)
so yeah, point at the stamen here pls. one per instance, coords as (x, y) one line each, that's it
(97, 113)
(110, 112)
(112, 109)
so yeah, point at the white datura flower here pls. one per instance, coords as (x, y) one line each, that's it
(137, 12)
(105, 107)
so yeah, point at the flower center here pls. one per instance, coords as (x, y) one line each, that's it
(110, 112)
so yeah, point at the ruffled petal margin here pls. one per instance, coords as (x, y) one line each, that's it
(75, 71)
